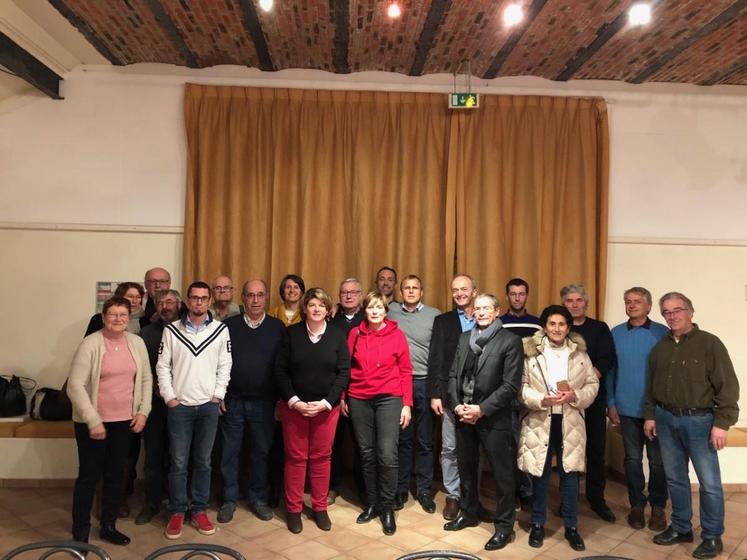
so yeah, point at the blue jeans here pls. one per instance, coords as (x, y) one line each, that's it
(257, 416)
(633, 441)
(568, 481)
(422, 423)
(449, 466)
(191, 428)
(684, 438)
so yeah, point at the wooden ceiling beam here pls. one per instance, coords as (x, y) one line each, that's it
(342, 36)
(719, 21)
(87, 31)
(428, 35)
(724, 74)
(513, 40)
(23, 64)
(254, 28)
(172, 32)
(604, 34)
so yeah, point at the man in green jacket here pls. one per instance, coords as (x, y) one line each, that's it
(691, 401)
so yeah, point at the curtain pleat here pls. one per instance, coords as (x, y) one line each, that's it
(331, 184)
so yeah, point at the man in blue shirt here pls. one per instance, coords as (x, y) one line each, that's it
(626, 390)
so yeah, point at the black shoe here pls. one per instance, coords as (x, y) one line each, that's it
(294, 523)
(388, 523)
(604, 512)
(146, 515)
(110, 534)
(225, 513)
(500, 540)
(371, 512)
(536, 536)
(262, 511)
(670, 537)
(426, 502)
(451, 509)
(709, 548)
(461, 521)
(574, 539)
(322, 520)
(400, 499)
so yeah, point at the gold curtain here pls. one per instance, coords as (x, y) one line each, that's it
(330, 184)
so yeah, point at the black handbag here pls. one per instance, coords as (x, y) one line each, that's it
(51, 404)
(12, 397)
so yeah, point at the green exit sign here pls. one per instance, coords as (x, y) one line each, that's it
(464, 100)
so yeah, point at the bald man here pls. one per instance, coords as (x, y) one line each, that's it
(155, 279)
(223, 306)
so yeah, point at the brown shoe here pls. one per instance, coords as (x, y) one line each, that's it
(322, 520)
(293, 520)
(451, 509)
(658, 520)
(636, 518)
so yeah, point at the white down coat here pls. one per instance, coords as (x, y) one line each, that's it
(536, 418)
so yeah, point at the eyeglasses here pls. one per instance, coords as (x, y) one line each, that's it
(251, 295)
(223, 288)
(117, 315)
(350, 293)
(199, 299)
(158, 280)
(673, 312)
(164, 302)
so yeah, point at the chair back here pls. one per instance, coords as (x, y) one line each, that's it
(197, 550)
(74, 549)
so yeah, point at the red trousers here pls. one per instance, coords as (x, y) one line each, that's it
(307, 441)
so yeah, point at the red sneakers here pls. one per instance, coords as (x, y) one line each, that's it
(201, 522)
(174, 528)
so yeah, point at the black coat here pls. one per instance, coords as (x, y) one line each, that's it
(447, 328)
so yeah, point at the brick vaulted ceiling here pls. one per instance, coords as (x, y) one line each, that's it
(688, 41)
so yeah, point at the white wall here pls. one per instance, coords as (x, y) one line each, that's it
(113, 154)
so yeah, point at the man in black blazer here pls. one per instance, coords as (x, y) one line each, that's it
(483, 381)
(447, 328)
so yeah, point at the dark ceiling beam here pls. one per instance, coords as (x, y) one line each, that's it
(428, 35)
(24, 65)
(172, 32)
(342, 36)
(719, 21)
(253, 27)
(513, 40)
(87, 31)
(604, 34)
(724, 74)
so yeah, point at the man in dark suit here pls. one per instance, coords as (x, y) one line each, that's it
(483, 382)
(447, 328)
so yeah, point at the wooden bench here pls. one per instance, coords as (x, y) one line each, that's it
(37, 429)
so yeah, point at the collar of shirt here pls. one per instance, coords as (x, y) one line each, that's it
(466, 322)
(194, 329)
(418, 307)
(646, 325)
(251, 325)
(316, 337)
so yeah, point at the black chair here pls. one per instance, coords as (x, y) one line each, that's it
(439, 555)
(71, 548)
(195, 550)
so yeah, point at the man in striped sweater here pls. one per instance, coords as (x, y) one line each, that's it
(194, 367)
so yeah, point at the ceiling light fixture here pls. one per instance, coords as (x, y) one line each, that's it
(639, 14)
(394, 11)
(512, 15)
(266, 5)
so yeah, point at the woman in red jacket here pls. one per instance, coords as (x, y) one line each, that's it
(378, 401)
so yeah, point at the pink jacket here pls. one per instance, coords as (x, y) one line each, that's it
(380, 363)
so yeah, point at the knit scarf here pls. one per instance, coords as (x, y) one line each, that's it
(479, 338)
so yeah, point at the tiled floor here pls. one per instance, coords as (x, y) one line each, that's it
(30, 515)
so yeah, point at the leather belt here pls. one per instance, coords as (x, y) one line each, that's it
(685, 411)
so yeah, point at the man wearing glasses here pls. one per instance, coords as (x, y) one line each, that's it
(691, 401)
(194, 368)
(155, 279)
(223, 306)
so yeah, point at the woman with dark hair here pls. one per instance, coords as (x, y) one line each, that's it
(379, 400)
(557, 385)
(291, 290)
(132, 292)
(109, 386)
(312, 369)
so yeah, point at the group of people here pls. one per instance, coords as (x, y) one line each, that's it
(513, 387)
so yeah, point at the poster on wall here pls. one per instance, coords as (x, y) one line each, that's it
(104, 290)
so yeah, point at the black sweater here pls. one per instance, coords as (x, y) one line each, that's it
(599, 346)
(253, 352)
(312, 372)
